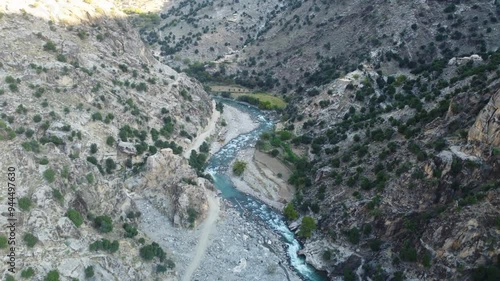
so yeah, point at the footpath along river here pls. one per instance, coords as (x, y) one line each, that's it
(218, 168)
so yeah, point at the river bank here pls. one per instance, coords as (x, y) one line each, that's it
(233, 123)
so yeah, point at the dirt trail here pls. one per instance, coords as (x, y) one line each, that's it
(208, 130)
(207, 227)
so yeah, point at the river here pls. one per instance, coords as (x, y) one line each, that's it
(218, 167)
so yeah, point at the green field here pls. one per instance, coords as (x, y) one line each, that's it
(272, 101)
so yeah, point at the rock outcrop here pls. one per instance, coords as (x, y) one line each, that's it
(173, 187)
(485, 133)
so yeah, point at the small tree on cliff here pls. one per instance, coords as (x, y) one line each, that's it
(308, 225)
(290, 212)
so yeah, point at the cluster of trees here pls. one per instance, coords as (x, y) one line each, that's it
(105, 245)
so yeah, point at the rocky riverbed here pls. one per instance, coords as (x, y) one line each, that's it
(239, 248)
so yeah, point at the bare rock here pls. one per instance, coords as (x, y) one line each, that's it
(486, 129)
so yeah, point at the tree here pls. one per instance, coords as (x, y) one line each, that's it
(75, 217)
(30, 240)
(93, 148)
(219, 106)
(308, 225)
(49, 46)
(103, 224)
(53, 275)
(24, 203)
(204, 147)
(239, 167)
(110, 141)
(49, 175)
(89, 272)
(27, 273)
(290, 212)
(150, 251)
(110, 165)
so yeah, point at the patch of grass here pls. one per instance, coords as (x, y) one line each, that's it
(266, 101)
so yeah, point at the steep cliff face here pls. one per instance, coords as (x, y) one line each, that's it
(78, 87)
(486, 130)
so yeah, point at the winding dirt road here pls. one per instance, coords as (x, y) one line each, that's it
(207, 227)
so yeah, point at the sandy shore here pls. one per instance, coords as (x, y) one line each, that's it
(260, 178)
(238, 122)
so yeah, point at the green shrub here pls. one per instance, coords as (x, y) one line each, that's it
(93, 148)
(24, 203)
(353, 235)
(239, 167)
(30, 240)
(192, 216)
(89, 272)
(58, 195)
(75, 217)
(486, 273)
(105, 245)
(204, 147)
(161, 268)
(96, 116)
(65, 172)
(130, 230)
(149, 252)
(49, 46)
(92, 160)
(90, 178)
(61, 58)
(9, 277)
(375, 245)
(3, 242)
(426, 260)
(110, 141)
(197, 160)
(290, 212)
(327, 255)
(27, 273)
(37, 118)
(103, 223)
(307, 227)
(29, 133)
(110, 165)
(53, 275)
(408, 252)
(49, 175)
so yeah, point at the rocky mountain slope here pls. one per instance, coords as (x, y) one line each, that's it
(288, 44)
(89, 117)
